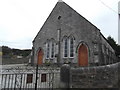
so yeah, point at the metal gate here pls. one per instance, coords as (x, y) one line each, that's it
(30, 77)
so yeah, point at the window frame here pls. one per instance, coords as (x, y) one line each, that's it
(52, 50)
(68, 50)
(96, 61)
(65, 39)
(96, 47)
(103, 48)
(43, 77)
(47, 50)
(70, 47)
(29, 78)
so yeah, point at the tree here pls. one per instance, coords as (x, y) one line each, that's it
(115, 46)
(7, 52)
(118, 51)
(112, 42)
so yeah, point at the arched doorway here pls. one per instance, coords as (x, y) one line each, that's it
(40, 57)
(83, 55)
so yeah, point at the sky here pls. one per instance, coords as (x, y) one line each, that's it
(21, 20)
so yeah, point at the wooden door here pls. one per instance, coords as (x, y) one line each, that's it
(83, 55)
(40, 57)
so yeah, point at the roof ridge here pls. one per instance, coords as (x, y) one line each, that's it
(60, 1)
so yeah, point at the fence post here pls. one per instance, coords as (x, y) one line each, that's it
(65, 76)
(36, 77)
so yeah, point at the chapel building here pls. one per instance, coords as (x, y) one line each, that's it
(66, 36)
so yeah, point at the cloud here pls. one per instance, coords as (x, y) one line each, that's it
(20, 20)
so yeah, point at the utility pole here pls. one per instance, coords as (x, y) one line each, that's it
(36, 77)
(119, 22)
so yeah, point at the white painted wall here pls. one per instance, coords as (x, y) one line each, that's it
(53, 77)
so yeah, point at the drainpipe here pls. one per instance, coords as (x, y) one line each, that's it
(59, 38)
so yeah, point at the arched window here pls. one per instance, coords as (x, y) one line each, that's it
(68, 45)
(96, 59)
(95, 47)
(71, 47)
(103, 48)
(50, 49)
(65, 47)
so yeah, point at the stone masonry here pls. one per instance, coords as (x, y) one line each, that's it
(72, 24)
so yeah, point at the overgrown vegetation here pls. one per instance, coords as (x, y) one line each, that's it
(9, 52)
(114, 45)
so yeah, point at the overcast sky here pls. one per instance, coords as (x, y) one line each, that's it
(21, 20)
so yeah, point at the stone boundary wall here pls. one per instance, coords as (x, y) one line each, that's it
(95, 77)
(107, 76)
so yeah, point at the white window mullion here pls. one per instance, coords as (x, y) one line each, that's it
(47, 56)
(65, 48)
(50, 49)
(47, 50)
(69, 48)
(71, 51)
(54, 49)
(73, 48)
